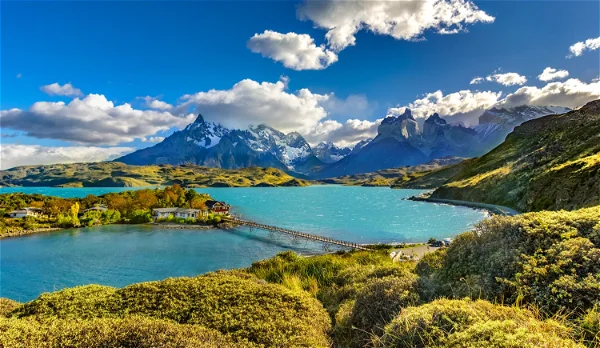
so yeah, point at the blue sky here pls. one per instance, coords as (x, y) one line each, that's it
(127, 50)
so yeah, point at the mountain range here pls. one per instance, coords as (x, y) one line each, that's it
(400, 141)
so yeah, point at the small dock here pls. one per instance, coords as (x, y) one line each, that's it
(295, 234)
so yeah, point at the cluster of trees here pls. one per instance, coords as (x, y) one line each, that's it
(126, 207)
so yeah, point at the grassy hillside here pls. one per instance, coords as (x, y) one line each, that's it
(430, 175)
(526, 281)
(549, 163)
(115, 174)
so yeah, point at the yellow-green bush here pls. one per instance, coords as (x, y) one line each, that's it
(233, 303)
(455, 323)
(140, 332)
(589, 327)
(529, 333)
(7, 305)
(551, 259)
(378, 302)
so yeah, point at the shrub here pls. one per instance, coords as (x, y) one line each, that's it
(589, 326)
(234, 303)
(81, 302)
(378, 303)
(140, 216)
(529, 333)
(437, 323)
(548, 258)
(7, 306)
(109, 332)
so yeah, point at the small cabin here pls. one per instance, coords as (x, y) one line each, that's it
(219, 208)
(29, 211)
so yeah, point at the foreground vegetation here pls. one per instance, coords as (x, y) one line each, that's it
(549, 163)
(115, 174)
(133, 207)
(531, 280)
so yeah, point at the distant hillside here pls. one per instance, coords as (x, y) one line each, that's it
(548, 163)
(115, 174)
(403, 177)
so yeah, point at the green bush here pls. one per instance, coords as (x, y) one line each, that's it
(7, 306)
(379, 301)
(234, 303)
(140, 216)
(529, 333)
(589, 327)
(132, 331)
(455, 323)
(551, 259)
(190, 221)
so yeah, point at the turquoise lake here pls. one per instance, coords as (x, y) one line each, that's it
(119, 255)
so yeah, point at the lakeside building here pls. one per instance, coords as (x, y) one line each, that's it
(29, 211)
(219, 208)
(178, 213)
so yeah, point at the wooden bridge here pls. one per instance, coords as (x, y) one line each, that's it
(295, 234)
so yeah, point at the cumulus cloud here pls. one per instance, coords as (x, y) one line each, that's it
(343, 134)
(550, 74)
(476, 80)
(295, 51)
(249, 102)
(353, 106)
(14, 155)
(462, 106)
(92, 120)
(507, 79)
(67, 90)
(403, 20)
(578, 48)
(572, 93)
(154, 103)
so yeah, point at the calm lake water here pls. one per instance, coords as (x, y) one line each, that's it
(118, 255)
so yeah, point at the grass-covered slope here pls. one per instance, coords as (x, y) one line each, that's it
(115, 174)
(424, 176)
(549, 163)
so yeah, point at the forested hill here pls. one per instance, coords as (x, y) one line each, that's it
(550, 163)
(115, 174)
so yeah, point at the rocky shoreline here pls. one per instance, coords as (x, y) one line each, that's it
(492, 208)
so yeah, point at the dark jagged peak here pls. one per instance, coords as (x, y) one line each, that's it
(407, 115)
(435, 119)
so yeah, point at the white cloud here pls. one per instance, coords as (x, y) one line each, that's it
(353, 106)
(67, 90)
(249, 103)
(154, 103)
(550, 74)
(572, 93)
(578, 48)
(19, 75)
(91, 120)
(403, 20)
(295, 51)
(343, 134)
(153, 139)
(507, 79)
(476, 80)
(13, 155)
(463, 106)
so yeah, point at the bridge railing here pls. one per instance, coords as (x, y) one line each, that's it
(296, 233)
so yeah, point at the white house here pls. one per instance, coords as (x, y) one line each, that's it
(178, 213)
(29, 211)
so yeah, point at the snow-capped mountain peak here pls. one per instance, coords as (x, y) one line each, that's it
(330, 153)
(204, 134)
